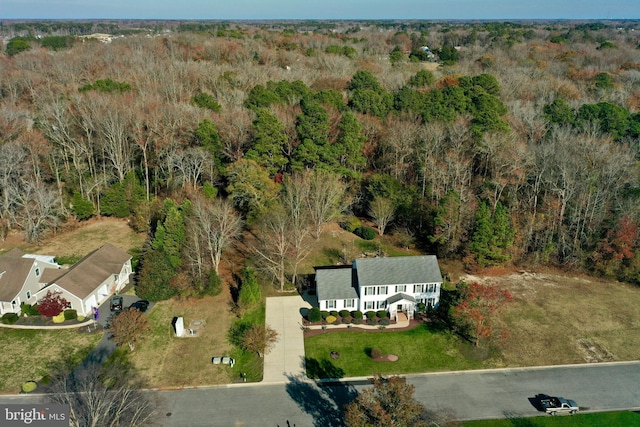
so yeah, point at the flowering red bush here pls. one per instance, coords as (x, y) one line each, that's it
(52, 304)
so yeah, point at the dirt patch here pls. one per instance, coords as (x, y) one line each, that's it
(594, 352)
(386, 358)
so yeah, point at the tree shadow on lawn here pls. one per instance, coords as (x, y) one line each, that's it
(322, 402)
(322, 369)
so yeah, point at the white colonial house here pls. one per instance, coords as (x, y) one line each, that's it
(396, 284)
(86, 284)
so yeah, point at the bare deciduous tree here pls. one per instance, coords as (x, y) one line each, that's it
(218, 226)
(99, 396)
(382, 211)
(273, 245)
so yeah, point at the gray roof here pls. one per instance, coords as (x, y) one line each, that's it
(91, 271)
(399, 297)
(398, 270)
(335, 283)
(14, 269)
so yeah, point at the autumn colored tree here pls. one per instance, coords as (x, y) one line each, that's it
(129, 327)
(389, 402)
(52, 304)
(259, 338)
(478, 307)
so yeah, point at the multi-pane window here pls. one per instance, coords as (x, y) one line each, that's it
(331, 303)
(28, 294)
(369, 305)
(37, 272)
(382, 290)
(417, 289)
(349, 303)
(401, 288)
(370, 290)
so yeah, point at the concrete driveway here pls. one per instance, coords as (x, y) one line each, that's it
(286, 359)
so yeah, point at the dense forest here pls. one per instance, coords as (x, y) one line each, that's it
(490, 142)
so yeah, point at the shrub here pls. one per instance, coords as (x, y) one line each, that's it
(345, 313)
(352, 224)
(331, 319)
(384, 322)
(357, 314)
(9, 318)
(59, 318)
(29, 386)
(45, 380)
(371, 314)
(25, 309)
(325, 314)
(381, 314)
(334, 313)
(367, 233)
(421, 306)
(214, 284)
(314, 315)
(81, 207)
(357, 321)
(80, 318)
(70, 314)
(375, 353)
(372, 321)
(52, 304)
(345, 320)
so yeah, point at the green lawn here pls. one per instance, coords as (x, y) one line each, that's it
(422, 349)
(602, 419)
(28, 354)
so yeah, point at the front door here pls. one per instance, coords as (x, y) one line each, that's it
(399, 307)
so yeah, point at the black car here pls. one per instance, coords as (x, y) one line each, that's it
(140, 305)
(116, 303)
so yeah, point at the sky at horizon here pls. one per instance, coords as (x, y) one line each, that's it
(319, 9)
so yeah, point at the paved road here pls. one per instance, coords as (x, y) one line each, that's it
(468, 395)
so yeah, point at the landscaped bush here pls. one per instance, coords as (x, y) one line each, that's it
(356, 314)
(59, 318)
(372, 321)
(80, 318)
(345, 313)
(421, 306)
(9, 318)
(381, 314)
(357, 321)
(345, 320)
(29, 310)
(352, 224)
(325, 314)
(331, 319)
(70, 314)
(314, 315)
(384, 322)
(367, 233)
(29, 386)
(334, 313)
(375, 353)
(371, 314)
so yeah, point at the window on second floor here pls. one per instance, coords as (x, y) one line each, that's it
(37, 272)
(417, 289)
(383, 290)
(401, 288)
(370, 290)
